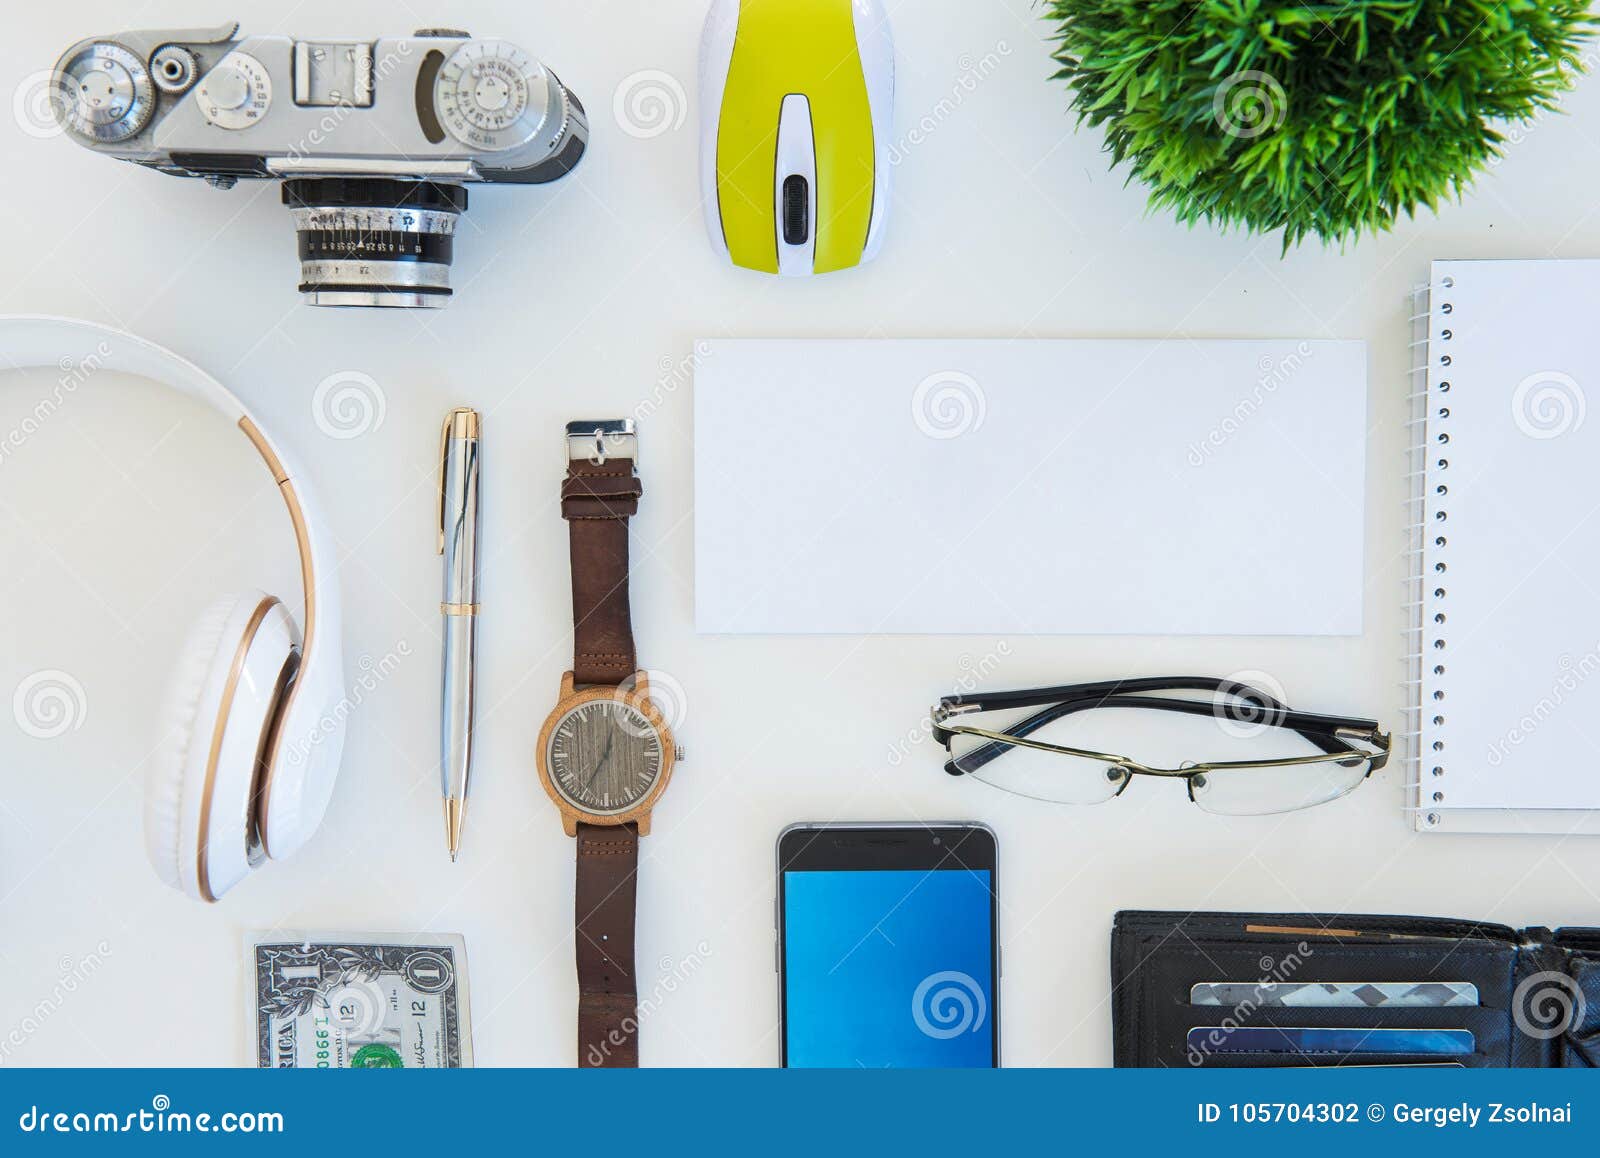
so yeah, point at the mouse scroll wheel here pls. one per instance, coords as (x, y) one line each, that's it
(796, 210)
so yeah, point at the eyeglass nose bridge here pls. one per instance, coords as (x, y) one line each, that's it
(1131, 770)
(1192, 773)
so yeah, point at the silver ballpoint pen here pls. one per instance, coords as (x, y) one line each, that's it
(458, 544)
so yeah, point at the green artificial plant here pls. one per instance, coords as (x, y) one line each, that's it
(1318, 119)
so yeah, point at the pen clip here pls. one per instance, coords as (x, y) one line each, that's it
(461, 424)
(444, 450)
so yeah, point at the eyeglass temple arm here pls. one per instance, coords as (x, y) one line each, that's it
(1031, 697)
(1319, 730)
(1084, 696)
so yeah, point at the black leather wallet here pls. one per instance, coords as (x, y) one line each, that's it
(1537, 991)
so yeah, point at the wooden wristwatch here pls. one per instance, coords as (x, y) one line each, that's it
(605, 752)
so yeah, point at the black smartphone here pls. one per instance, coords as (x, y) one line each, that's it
(888, 946)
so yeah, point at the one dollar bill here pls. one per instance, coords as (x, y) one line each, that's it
(364, 1001)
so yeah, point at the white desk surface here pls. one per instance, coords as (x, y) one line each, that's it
(130, 510)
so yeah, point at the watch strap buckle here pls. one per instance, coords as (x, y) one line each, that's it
(598, 441)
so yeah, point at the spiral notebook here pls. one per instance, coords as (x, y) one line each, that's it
(1505, 595)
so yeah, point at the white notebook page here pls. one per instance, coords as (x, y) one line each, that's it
(1510, 642)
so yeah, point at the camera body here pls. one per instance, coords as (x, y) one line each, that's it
(374, 140)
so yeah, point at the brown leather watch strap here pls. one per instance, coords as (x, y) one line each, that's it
(597, 500)
(608, 995)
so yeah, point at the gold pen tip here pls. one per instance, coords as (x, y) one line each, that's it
(454, 810)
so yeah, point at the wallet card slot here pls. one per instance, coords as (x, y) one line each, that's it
(1488, 1027)
(1173, 973)
(1294, 1061)
(1480, 1021)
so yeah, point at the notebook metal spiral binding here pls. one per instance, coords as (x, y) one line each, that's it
(1425, 771)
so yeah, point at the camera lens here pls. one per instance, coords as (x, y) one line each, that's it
(374, 241)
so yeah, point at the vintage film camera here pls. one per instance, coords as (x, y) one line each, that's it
(374, 140)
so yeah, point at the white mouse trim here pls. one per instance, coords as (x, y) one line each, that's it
(797, 156)
(875, 42)
(716, 58)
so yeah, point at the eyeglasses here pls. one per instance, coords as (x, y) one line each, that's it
(1027, 758)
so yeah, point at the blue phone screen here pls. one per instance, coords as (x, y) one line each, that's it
(888, 968)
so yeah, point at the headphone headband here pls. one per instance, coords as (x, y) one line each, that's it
(290, 806)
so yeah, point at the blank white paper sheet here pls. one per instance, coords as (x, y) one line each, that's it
(1175, 487)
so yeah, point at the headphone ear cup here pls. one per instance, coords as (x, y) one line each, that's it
(199, 829)
(163, 796)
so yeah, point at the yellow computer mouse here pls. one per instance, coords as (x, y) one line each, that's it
(797, 101)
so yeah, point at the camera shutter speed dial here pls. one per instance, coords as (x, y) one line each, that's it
(103, 93)
(490, 95)
(236, 94)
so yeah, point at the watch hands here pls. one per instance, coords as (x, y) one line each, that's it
(605, 754)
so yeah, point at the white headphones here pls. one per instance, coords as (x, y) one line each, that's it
(253, 730)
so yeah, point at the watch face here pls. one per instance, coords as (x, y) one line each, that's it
(604, 757)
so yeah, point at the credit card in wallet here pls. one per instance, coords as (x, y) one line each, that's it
(1318, 1040)
(1337, 994)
